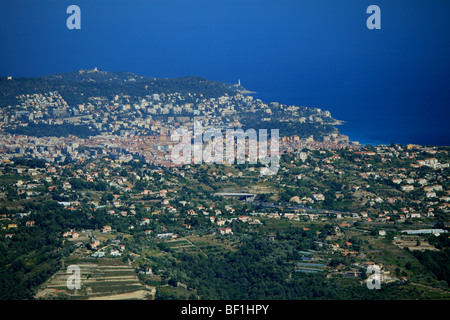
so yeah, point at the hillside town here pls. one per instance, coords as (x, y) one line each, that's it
(121, 128)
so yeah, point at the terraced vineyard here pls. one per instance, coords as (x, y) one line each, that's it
(102, 279)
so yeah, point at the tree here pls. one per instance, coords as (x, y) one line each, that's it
(172, 282)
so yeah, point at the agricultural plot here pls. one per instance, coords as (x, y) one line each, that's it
(99, 279)
(182, 244)
(210, 244)
(414, 243)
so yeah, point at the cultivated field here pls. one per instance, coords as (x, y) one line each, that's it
(101, 279)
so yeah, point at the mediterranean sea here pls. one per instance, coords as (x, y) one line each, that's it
(375, 122)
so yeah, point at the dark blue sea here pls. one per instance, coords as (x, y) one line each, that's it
(383, 120)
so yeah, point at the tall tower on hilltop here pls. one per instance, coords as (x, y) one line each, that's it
(239, 82)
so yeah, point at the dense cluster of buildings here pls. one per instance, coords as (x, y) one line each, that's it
(125, 127)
